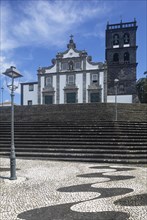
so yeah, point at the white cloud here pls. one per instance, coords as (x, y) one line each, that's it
(45, 22)
(4, 64)
(4, 81)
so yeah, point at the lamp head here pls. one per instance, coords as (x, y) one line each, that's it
(12, 72)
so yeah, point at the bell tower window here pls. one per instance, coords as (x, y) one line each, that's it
(116, 57)
(126, 38)
(115, 39)
(126, 57)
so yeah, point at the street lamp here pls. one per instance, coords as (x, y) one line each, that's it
(13, 73)
(116, 85)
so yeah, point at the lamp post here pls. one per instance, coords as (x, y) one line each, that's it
(13, 73)
(116, 84)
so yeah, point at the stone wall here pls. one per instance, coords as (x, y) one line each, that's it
(76, 112)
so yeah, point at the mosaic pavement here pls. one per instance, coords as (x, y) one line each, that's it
(51, 190)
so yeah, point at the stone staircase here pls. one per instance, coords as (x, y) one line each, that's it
(94, 141)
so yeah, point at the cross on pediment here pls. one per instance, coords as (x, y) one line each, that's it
(71, 36)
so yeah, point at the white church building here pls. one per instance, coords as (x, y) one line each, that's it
(72, 78)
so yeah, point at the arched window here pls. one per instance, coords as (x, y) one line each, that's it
(126, 38)
(126, 57)
(115, 39)
(116, 57)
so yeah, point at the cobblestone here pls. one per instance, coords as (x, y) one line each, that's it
(52, 190)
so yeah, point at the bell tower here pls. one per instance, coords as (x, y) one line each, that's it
(120, 55)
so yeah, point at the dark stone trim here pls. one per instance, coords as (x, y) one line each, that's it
(75, 72)
(58, 89)
(22, 95)
(28, 83)
(105, 85)
(84, 87)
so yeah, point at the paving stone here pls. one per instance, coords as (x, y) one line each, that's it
(53, 190)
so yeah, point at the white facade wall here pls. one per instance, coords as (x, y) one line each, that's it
(52, 70)
(42, 86)
(87, 84)
(54, 85)
(91, 67)
(79, 84)
(120, 99)
(62, 85)
(101, 82)
(30, 95)
(71, 53)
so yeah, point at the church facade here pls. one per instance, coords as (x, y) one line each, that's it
(74, 78)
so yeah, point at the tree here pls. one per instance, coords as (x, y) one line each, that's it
(142, 89)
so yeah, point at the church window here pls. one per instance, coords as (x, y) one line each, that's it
(48, 81)
(30, 102)
(115, 39)
(71, 79)
(77, 65)
(94, 78)
(31, 87)
(126, 57)
(116, 57)
(64, 66)
(126, 38)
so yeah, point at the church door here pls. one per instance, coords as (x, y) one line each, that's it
(95, 97)
(71, 97)
(48, 99)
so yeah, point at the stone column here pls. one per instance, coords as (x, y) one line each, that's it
(39, 86)
(84, 79)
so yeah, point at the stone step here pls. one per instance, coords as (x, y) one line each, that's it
(80, 155)
(75, 133)
(77, 150)
(72, 124)
(75, 137)
(79, 124)
(92, 160)
(117, 142)
(77, 141)
(62, 130)
(84, 146)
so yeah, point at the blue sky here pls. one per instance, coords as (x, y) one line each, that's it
(33, 31)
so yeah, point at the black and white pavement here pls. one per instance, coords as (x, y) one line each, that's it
(53, 190)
